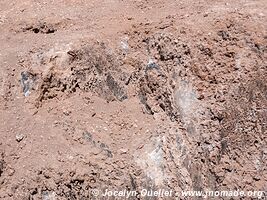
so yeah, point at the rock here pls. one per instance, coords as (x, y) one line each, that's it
(152, 64)
(117, 90)
(2, 163)
(123, 151)
(10, 172)
(27, 80)
(49, 195)
(19, 137)
(66, 112)
(87, 136)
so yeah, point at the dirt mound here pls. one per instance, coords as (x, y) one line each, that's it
(89, 68)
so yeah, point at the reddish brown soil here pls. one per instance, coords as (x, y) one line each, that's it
(132, 94)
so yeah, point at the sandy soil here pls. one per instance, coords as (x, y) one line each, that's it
(130, 95)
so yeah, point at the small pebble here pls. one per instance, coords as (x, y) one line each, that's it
(19, 137)
(66, 112)
(123, 151)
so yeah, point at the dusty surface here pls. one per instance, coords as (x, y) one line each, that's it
(130, 95)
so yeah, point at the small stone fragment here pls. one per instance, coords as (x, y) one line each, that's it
(19, 137)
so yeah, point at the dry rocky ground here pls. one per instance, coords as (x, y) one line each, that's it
(117, 94)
